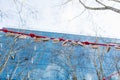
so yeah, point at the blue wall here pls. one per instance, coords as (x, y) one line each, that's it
(49, 59)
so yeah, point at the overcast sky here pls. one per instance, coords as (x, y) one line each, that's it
(54, 16)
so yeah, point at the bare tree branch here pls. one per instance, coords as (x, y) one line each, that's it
(8, 56)
(93, 8)
(100, 3)
(118, 1)
(105, 7)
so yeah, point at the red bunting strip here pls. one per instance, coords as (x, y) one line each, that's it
(60, 39)
(108, 78)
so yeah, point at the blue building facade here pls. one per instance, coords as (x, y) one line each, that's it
(25, 59)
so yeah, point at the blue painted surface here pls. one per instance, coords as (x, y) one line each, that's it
(49, 58)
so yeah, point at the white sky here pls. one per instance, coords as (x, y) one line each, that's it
(52, 16)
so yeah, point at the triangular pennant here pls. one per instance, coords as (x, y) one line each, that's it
(37, 39)
(65, 43)
(108, 48)
(81, 44)
(45, 39)
(94, 46)
(117, 47)
(74, 43)
(56, 40)
(10, 34)
(23, 36)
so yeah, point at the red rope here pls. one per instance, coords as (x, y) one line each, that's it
(60, 39)
(107, 78)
